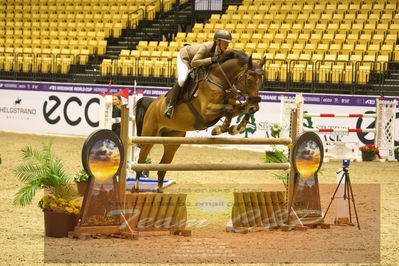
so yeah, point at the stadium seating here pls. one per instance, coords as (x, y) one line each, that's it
(48, 35)
(316, 31)
(334, 39)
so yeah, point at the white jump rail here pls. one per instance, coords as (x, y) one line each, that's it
(384, 126)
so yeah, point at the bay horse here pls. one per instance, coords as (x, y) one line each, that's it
(229, 88)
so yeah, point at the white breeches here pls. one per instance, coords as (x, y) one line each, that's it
(182, 71)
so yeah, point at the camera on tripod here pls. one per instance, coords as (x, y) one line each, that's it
(346, 163)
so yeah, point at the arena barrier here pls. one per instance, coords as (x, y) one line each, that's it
(384, 128)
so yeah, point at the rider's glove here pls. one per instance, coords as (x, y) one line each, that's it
(214, 59)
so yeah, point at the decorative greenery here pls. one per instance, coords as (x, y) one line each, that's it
(369, 148)
(81, 177)
(278, 157)
(41, 169)
(148, 160)
(372, 149)
(275, 129)
(396, 149)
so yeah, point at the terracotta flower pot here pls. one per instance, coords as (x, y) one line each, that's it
(58, 224)
(368, 156)
(82, 188)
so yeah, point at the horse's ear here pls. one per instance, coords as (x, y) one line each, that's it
(262, 61)
(250, 61)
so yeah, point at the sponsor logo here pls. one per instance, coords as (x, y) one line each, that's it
(17, 111)
(371, 102)
(17, 101)
(54, 103)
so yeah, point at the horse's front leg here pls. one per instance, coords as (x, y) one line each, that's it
(235, 129)
(228, 111)
(217, 130)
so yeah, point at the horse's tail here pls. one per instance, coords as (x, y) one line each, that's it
(140, 109)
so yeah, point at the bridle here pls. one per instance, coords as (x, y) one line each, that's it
(232, 85)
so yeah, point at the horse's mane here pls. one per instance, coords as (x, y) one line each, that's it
(241, 56)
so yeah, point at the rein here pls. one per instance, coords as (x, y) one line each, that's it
(232, 87)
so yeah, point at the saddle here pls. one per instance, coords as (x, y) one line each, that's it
(190, 86)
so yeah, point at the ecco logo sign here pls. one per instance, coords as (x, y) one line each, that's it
(54, 103)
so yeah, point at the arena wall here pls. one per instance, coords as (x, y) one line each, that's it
(72, 109)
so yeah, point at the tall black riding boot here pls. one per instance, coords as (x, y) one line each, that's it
(173, 100)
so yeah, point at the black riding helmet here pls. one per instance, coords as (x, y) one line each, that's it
(223, 35)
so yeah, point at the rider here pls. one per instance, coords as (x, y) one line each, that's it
(196, 55)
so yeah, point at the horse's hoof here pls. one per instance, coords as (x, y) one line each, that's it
(159, 190)
(134, 190)
(216, 131)
(233, 130)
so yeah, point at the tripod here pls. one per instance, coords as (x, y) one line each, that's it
(348, 194)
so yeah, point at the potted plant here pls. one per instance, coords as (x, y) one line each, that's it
(396, 152)
(369, 151)
(82, 179)
(40, 169)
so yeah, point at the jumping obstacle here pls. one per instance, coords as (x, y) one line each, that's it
(259, 209)
(157, 212)
(384, 127)
(149, 205)
(268, 209)
(209, 141)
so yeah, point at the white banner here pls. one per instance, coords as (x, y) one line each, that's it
(48, 112)
(269, 112)
(73, 109)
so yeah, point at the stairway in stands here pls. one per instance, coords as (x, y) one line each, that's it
(390, 85)
(165, 25)
(163, 28)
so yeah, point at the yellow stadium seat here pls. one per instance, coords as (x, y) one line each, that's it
(286, 47)
(298, 47)
(391, 6)
(310, 48)
(317, 57)
(293, 36)
(293, 56)
(383, 59)
(250, 47)
(322, 47)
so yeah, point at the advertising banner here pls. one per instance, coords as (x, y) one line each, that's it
(72, 109)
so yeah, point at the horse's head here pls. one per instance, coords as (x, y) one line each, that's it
(245, 76)
(250, 83)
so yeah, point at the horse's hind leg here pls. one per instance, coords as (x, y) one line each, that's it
(144, 151)
(168, 155)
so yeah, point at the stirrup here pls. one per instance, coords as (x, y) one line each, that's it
(169, 111)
